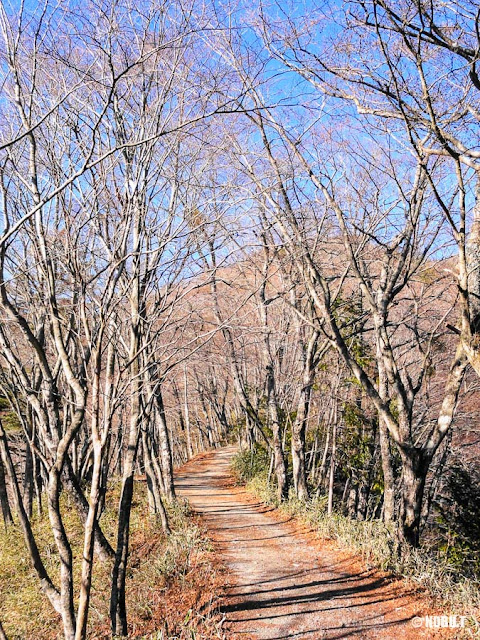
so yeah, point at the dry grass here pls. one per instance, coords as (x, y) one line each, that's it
(172, 583)
(376, 544)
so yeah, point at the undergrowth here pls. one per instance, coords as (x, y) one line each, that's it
(171, 583)
(374, 541)
(250, 463)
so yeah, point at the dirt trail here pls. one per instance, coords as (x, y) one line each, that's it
(286, 584)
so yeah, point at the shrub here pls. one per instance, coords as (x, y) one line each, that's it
(250, 463)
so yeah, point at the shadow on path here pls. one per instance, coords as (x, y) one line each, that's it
(285, 586)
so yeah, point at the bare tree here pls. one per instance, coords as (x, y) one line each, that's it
(397, 258)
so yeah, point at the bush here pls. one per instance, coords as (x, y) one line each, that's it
(251, 463)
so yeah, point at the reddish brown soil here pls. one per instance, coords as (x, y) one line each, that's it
(284, 582)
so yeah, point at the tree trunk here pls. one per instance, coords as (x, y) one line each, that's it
(99, 438)
(388, 477)
(7, 515)
(414, 474)
(153, 485)
(38, 482)
(28, 480)
(187, 415)
(65, 552)
(472, 251)
(331, 478)
(118, 610)
(387, 469)
(352, 501)
(299, 429)
(313, 457)
(362, 503)
(165, 447)
(323, 464)
(280, 465)
(102, 547)
(88, 546)
(298, 459)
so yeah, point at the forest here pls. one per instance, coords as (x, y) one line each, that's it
(254, 224)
